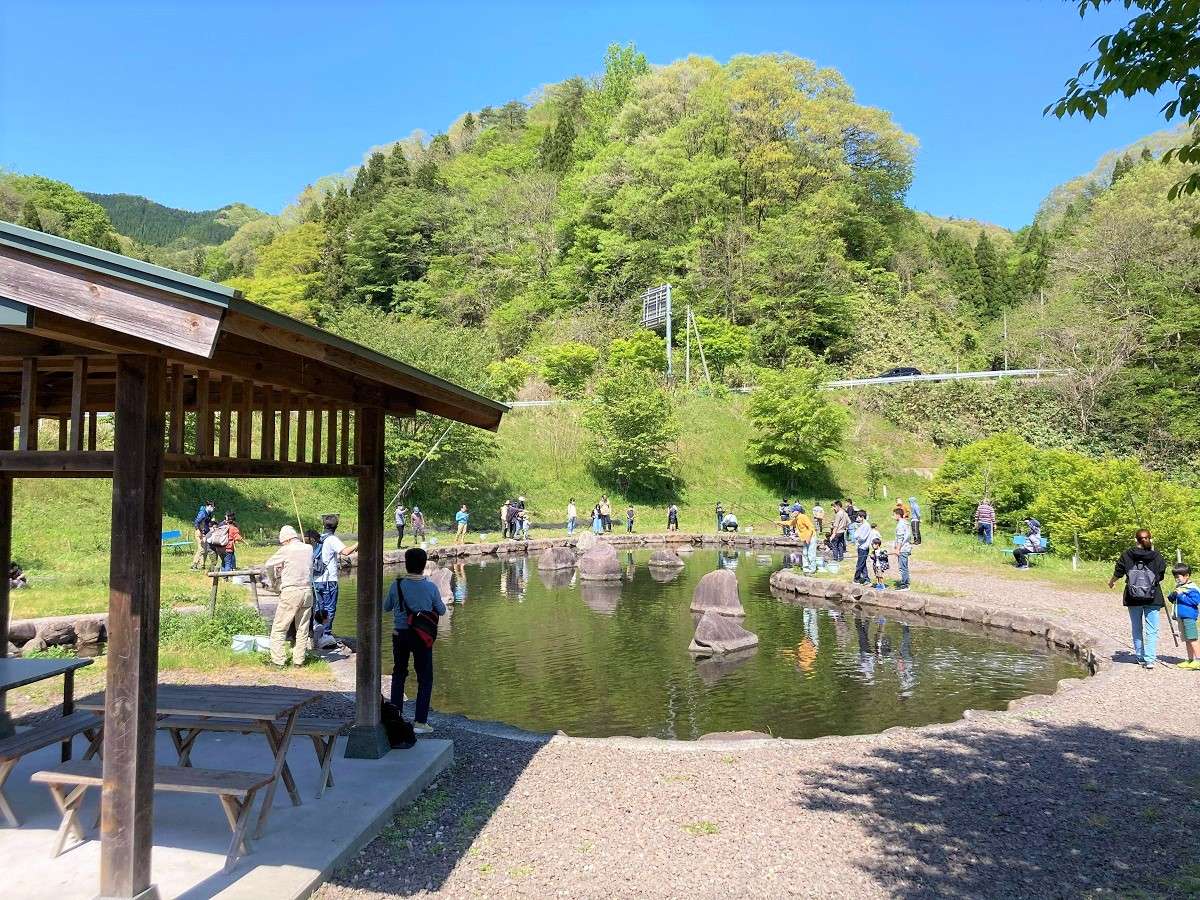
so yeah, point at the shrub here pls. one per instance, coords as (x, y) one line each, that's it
(642, 350)
(188, 630)
(1004, 468)
(507, 376)
(634, 429)
(568, 366)
(795, 426)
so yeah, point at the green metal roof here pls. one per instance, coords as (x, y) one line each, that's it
(128, 269)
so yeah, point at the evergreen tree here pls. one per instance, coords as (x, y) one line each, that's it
(428, 178)
(30, 217)
(564, 141)
(487, 116)
(440, 148)
(1147, 156)
(396, 170)
(958, 259)
(333, 285)
(991, 275)
(1121, 168)
(512, 114)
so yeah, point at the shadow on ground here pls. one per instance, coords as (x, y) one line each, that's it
(423, 844)
(1060, 811)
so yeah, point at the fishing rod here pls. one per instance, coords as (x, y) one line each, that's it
(408, 482)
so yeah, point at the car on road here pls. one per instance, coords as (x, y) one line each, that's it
(900, 372)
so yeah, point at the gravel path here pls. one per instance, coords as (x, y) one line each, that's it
(1091, 793)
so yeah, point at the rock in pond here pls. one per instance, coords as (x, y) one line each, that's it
(556, 558)
(600, 565)
(586, 541)
(554, 579)
(718, 592)
(663, 576)
(442, 578)
(720, 634)
(712, 669)
(665, 559)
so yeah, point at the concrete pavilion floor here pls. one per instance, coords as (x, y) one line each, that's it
(301, 847)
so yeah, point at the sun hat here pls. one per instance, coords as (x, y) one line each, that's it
(287, 533)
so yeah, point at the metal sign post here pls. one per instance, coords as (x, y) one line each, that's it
(656, 312)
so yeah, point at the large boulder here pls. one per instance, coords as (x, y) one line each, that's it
(442, 578)
(586, 541)
(720, 634)
(556, 558)
(600, 565)
(718, 592)
(665, 559)
(88, 631)
(601, 596)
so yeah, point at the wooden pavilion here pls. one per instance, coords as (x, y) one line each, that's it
(187, 368)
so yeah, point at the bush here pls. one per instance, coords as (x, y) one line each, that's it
(634, 430)
(1104, 501)
(795, 426)
(642, 350)
(189, 630)
(506, 377)
(568, 366)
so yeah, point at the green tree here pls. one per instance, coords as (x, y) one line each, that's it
(1121, 167)
(992, 278)
(568, 366)
(507, 376)
(30, 217)
(641, 350)
(724, 343)
(796, 428)
(1155, 50)
(634, 429)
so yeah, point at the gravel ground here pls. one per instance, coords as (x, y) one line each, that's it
(1091, 793)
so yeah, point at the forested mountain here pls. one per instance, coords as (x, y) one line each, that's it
(151, 223)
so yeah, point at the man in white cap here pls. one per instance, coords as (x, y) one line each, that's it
(294, 560)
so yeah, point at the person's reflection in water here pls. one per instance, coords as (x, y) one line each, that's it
(630, 566)
(905, 664)
(811, 629)
(460, 582)
(727, 559)
(840, 629)
(866, 657)
(883, 642)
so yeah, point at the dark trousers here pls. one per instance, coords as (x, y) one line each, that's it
(837, 546)
(860, 568)
(325, 597)
(916, 530)
(607, 522)
(422, 658)
(399, 536)
(1021, 556)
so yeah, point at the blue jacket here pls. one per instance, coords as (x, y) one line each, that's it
(420, 595)
(202, 517)
(1187, 601)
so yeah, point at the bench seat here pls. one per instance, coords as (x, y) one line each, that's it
(236, 791)
(54, 731)
(322, 732)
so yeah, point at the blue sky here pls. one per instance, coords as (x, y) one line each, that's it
(199, 104)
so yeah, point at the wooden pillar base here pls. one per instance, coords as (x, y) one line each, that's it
(150, 893)
(367, 742)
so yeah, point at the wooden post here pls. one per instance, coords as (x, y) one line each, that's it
(29, 402)
(245, 432)
(226, 414)
(127, 797)
(345, 442)
(367, 739)
(6, 494)
(267, 450)
(332, 433)
(316, 433)
(93, 418)
(301, 427)
(204, 419)
(285, 426)
(175, 439)
(78, 400)
(62, 434)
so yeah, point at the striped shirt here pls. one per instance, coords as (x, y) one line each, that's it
(985, 515)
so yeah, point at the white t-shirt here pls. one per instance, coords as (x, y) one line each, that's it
(571, 512)
(331, 549)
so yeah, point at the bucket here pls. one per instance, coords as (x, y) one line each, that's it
(832, 568)
(250, 643)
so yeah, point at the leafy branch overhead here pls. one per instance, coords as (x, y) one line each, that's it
(1159, 47)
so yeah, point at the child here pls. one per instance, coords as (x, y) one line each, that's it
(1186, 598)
(879, 562)
(629, 520)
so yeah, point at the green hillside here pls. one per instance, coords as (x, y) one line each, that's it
(156, 225)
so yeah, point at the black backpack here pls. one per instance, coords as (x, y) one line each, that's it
(318, 564)
(1140, 583)
(400, 734)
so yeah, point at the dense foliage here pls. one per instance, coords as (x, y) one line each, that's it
(152, 223)
(1101, 502)
(796, 428)
(634, 429)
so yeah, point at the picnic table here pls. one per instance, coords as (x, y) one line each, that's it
(253, 574)
(15, 673)
(270, 710)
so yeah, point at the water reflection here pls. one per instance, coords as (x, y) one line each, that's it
(601, 596)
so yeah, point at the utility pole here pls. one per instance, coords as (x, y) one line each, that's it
(670, 372)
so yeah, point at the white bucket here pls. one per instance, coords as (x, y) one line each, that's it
(250, 643)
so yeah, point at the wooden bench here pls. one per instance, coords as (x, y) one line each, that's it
(323, 732)
(236, 790)
(52, 732)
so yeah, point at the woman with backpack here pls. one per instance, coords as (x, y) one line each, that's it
(416, 603)
(1143, 569)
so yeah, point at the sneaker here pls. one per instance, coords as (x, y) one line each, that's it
(328, 642)
(1147, 665)
(902, 587)
(422, 728)
(1189, 664)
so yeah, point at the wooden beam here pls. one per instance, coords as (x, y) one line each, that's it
(267, 450)
(301, 428)
(131, 689)
(316, 433)
(285, 426)
(367, 739)
(92, 428)
(62, 433)
(6, 498)
(204, 419)
(29, 402)
(245, 432)
(345, 443)
(185, 466)
(175, 439)
(110, 303)
(56, 464)
(358, 458)
(332, 432)
(79, 377)
(226, 414)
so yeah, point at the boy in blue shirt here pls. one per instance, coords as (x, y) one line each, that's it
(414, 593)
(1186, 598)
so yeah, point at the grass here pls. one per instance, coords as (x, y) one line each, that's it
(701, 829)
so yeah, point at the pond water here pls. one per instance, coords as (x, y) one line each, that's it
(544, 651)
